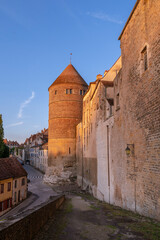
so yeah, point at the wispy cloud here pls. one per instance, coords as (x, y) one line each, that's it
(14, 124)
(24, 104)
(104, 17)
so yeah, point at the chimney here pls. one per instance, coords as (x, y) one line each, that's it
(99, 76)
(106, 71)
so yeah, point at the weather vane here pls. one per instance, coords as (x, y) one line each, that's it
(70, 57)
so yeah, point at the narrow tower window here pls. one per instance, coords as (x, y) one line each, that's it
(144, 59)
(70, 91)
(80, 92)
(117, 101)
(69, 150)
(55, 92)
(66, 91)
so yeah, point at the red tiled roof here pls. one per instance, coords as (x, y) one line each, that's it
(5, 141)
(11, 168)
(69, 75)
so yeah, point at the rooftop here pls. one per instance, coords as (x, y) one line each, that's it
(11, 168)
(69, 75)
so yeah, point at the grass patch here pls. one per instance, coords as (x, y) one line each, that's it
(112, 227)
(94, 207)
(150, 230)
(87, 196)
(68, 207)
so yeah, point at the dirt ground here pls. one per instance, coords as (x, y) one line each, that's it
(83, 217)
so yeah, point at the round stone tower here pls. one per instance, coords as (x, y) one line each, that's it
(65, 112)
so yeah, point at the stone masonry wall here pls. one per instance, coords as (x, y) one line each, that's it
(26, 226)
(138, 119)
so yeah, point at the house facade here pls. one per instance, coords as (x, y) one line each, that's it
(13, 183)
(36, 150)
(5, 194)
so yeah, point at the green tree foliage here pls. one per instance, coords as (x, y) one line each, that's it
(4, 150)
(1, 137)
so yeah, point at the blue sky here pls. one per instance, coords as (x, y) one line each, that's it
(36, 39)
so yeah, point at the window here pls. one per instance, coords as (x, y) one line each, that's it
(2, 188)
(15, 197)
(55, 92)
(9, 186)
(69, 150)
(81, 92)
(144, 59)
(23, 181)
(8, 203)
(84, 92)
(15, 183)
(110, 110)
(117, 101)
(1, 206)
(68, 91)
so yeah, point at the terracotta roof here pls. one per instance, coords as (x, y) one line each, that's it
(5, 141)
(11, 168)
(69, 75)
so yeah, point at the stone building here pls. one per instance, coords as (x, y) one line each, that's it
(138, 118)
(120, 150)
(33, 150)
(93, 135)
(65, 112)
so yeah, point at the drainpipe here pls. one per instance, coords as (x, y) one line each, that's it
(82, 158)
(108, 156)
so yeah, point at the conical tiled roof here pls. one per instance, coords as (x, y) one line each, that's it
(69, 75)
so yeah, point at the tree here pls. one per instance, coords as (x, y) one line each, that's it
(4, 150)
(1, 137)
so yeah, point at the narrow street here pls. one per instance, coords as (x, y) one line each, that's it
(38, 193)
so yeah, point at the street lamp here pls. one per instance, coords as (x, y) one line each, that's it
(129, 149)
